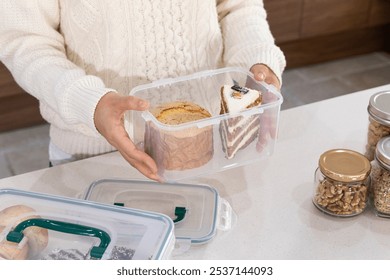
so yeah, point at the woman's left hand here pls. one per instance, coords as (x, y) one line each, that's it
(267, 131)
(261, 72)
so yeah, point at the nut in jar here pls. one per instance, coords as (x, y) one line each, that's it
(341, 183)
(379, 121)
(380, 178)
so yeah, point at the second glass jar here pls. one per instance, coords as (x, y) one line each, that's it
(380, 178)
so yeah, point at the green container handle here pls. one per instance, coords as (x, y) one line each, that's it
(97, 252)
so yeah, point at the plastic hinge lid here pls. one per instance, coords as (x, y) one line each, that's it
(182, 245)
(226, 215)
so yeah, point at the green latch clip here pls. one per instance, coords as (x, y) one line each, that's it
(180, 212)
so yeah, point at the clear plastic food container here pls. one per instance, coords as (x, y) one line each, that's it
(213, 143)
(44, 227)
(196, 210)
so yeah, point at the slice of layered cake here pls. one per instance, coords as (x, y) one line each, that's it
(238, 132)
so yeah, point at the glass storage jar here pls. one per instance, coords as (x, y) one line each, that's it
(379, 121)
(341, 183)
(380, 178)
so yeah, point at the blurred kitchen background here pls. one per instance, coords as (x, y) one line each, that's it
(332, 48)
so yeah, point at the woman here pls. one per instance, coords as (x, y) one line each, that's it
(80, 58)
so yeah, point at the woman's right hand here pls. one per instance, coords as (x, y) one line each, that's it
(109, 121)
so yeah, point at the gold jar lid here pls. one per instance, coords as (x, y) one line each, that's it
(344, 165)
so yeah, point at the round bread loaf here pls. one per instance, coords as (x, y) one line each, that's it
(37, 237)
(11, 250)
(179, 149)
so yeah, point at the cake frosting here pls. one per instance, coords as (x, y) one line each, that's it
(238, 132)
(179, 149)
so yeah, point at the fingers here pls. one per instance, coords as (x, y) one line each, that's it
(134, 103)
(260, 76)
(261, 144)
(138, 159)
(261, 72)
(267, 131)
(118, 103)
(109, 122)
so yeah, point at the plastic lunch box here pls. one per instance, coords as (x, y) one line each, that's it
(197, 210)
(203, 88)
(39, 226)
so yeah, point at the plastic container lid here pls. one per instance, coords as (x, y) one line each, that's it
(40, 226)
(379, 107)
(197, 210)
(383, 152)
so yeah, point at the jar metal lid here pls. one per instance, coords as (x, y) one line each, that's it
(344, 165)
(379, 107)
(382, 152)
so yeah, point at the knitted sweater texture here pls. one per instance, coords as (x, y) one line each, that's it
(69, 53)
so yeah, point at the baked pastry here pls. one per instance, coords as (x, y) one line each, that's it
(11, 250)
(179, 149)
(238, 132)
(37, 236)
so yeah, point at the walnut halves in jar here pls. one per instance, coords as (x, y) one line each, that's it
(379, 121)
(342, 182)
(380, 178)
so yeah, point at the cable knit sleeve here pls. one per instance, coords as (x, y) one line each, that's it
(247, 37)
(33, 50)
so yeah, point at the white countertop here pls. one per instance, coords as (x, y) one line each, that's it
(276, 218)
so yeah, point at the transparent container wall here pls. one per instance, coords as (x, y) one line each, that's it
(204, 89)
(375, 132)
(380, 189)
(340, 198)
(78, 226)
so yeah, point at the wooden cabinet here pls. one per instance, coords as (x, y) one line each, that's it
(379, 13)
(312, 31)
(322, 17)
(284, 17)
(17, 108)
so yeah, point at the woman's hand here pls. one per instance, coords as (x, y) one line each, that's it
(267, 120)
(261, 73)
(109, 122)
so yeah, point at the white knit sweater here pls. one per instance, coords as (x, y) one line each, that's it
(69, 53)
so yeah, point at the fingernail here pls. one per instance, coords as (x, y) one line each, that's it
(143, 103)
(261, 76)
